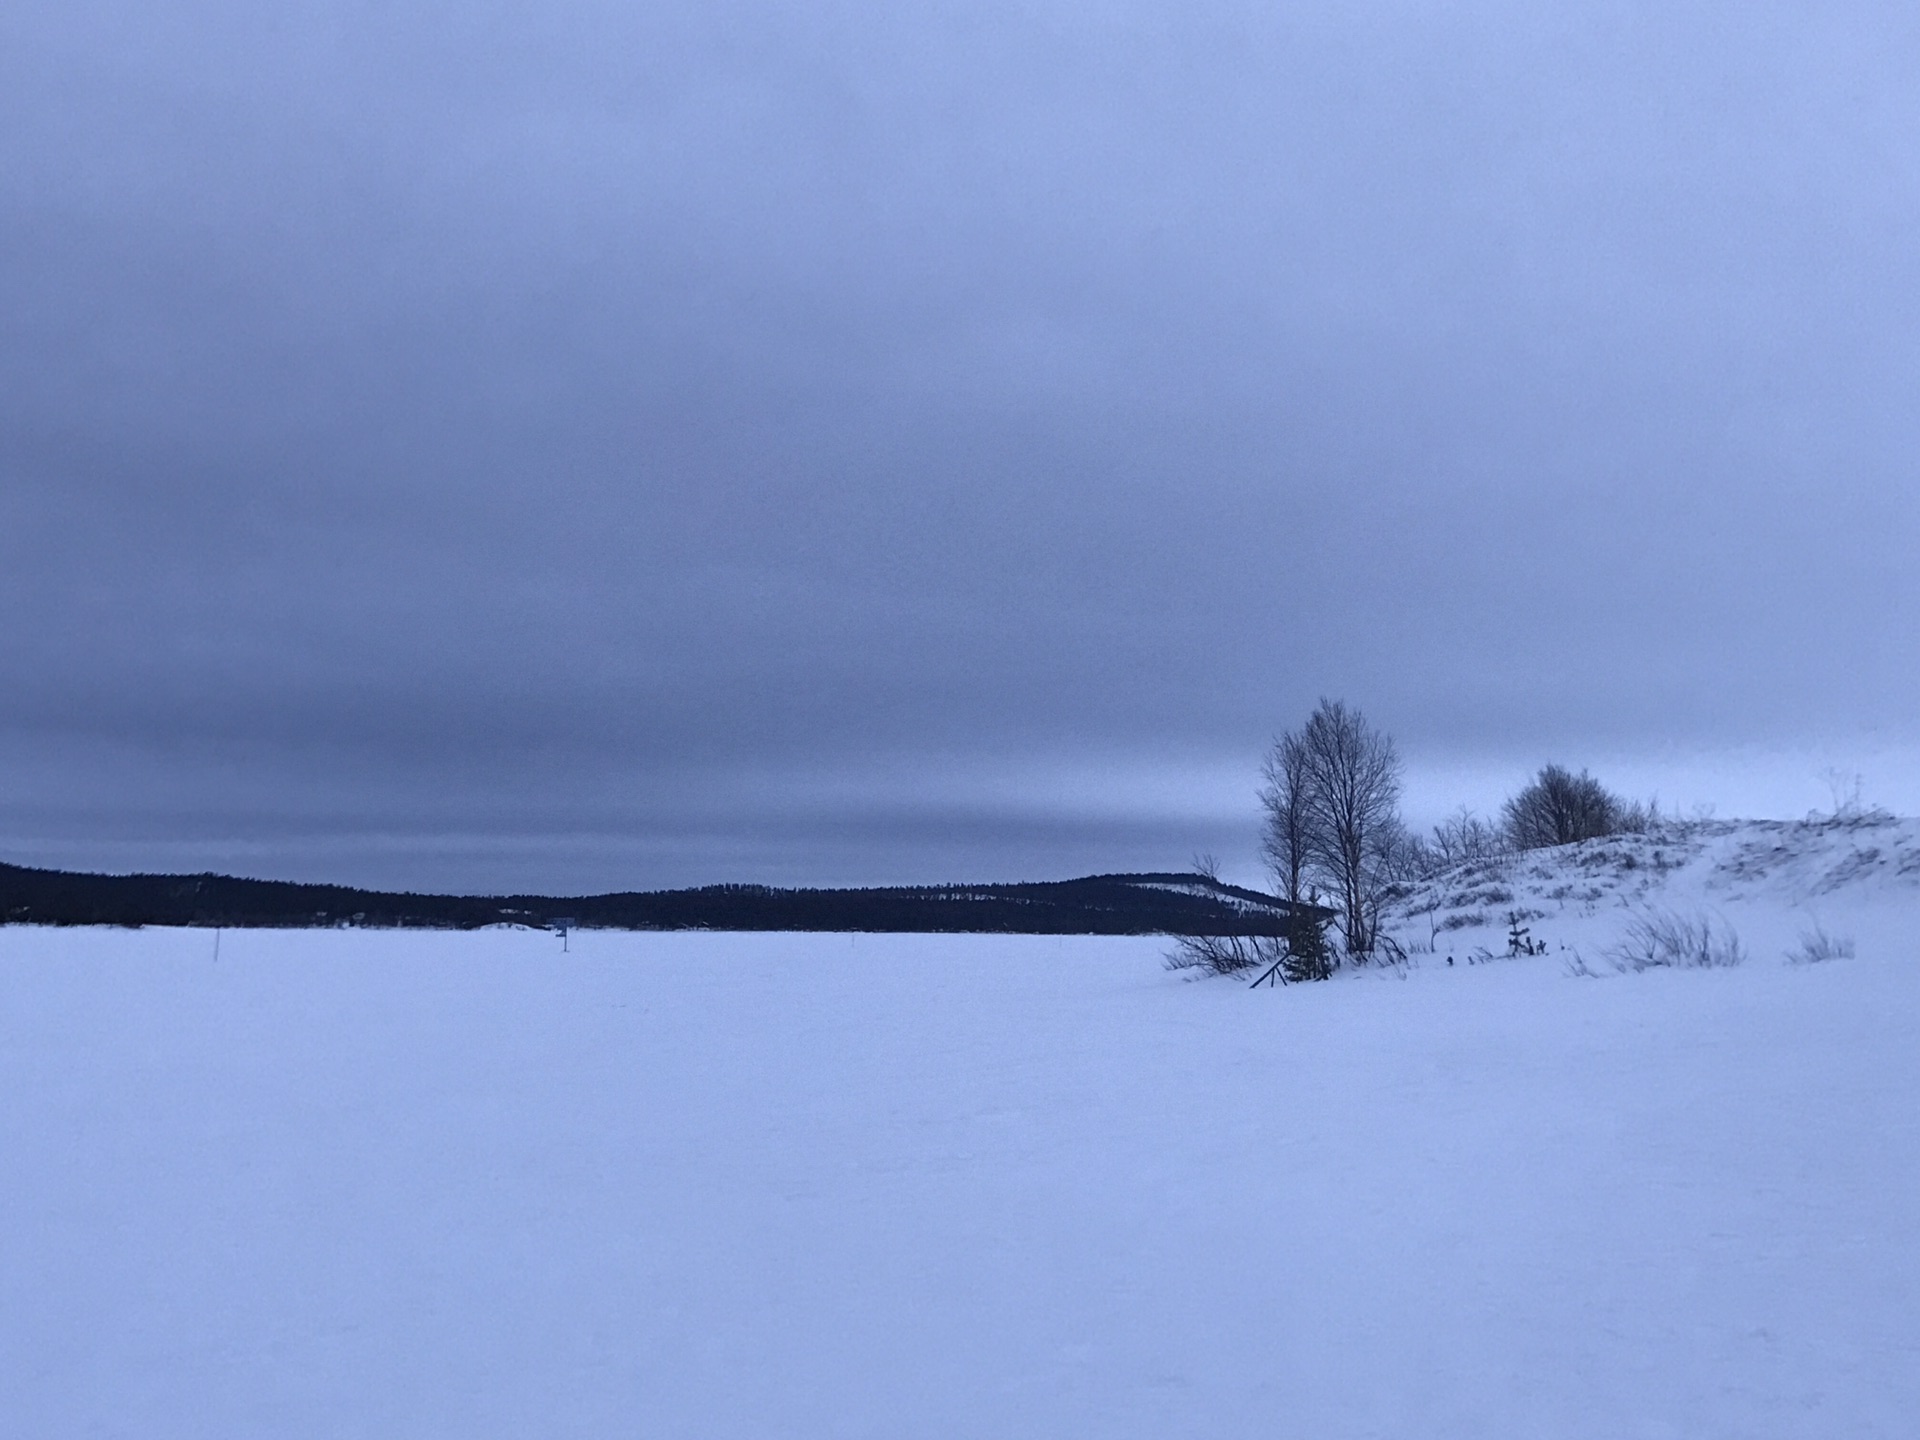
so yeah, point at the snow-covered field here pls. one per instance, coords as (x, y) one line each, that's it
(345, 1184)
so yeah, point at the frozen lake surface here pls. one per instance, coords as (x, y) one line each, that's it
(344, 1184)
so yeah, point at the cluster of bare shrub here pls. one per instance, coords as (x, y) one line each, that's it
(1561, 808)
(1817, 945)
(1462, 837)
(1556, 807)
(1666, 939)
(1304, 952)
(1658, 939)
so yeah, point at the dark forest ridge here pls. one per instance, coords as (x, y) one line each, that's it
(1173, 904)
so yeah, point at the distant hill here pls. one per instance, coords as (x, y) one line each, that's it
(1169, 904)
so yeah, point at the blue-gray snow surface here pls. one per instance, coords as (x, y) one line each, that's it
(351, 1183)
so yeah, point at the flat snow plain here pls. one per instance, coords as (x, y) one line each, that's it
(380, 1184)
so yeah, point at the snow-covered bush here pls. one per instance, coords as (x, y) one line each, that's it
(1223, 954)
(1817, 945)
(1665, 939)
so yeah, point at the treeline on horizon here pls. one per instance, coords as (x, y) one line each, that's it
(1159, 904)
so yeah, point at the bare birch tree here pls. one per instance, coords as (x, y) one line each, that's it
(1288, 839)
(1333, 816)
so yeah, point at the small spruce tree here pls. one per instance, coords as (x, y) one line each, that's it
(1309, 954)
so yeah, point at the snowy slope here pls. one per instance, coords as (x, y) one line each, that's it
(461, 1185)
(1768, 882)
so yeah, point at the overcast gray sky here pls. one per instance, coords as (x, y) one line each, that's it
(582, 445)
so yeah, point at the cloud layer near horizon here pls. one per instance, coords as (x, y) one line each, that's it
(826, 442)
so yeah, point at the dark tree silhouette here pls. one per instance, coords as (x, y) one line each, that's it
(1561, 808)
(1332, 800)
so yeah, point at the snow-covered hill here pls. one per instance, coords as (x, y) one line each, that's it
(1770, 883)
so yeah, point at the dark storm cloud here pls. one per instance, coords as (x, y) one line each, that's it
(677, 441)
